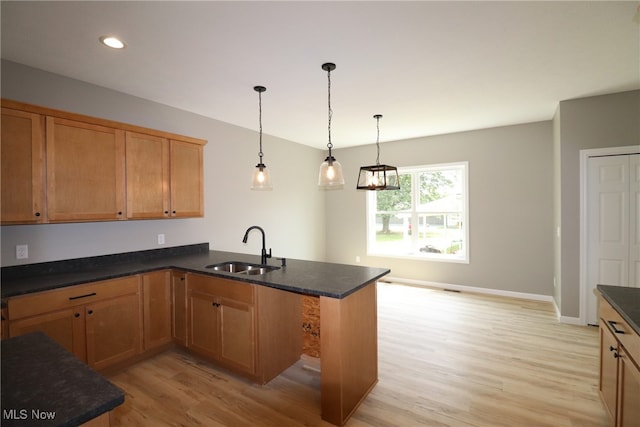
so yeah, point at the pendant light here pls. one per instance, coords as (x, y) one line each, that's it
(330, 176)
(261, 178)
(378, 177)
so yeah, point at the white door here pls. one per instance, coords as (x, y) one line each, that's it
(634, 221)
(613, 209)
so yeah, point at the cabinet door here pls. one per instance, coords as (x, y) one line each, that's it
(147, 160)
(5, 324)
(628, 392)
(608, 369)
(237, 335)
(66, 327)
(179, 318)
(85, 171)
(187, 193)
(113, 330)
(203, 324)
(156, 292)
(22, 151)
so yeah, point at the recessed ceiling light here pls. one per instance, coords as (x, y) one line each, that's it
(112, 42)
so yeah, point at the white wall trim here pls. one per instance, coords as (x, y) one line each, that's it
(473, 289)
(487, 291)
(584, 158)
(571, 320)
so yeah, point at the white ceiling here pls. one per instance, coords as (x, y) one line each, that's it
(428, 67)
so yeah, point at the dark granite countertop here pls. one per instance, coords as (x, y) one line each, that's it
(45, 385)
(626, 301)
(305, 277)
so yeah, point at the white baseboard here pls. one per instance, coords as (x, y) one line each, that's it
(473, 289)
(571, 320)
(488, 291)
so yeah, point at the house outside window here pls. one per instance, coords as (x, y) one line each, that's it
(426, 219)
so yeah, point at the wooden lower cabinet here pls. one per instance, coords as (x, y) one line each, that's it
(222, 321)
(156, 300)
(101, 322)
(608, 371)
(619, 370)
(66, 327)
(628, 392)
(204, 324)
(113, 331)
(179, 305)
(251, 330)
(237, 335)
(5, 324)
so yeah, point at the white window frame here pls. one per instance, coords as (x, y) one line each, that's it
(462, 257)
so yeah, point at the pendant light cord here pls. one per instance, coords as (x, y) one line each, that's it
(329, 144)
(377, 116)
(260, 120)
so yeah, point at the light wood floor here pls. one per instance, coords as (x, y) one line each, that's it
(445, 359)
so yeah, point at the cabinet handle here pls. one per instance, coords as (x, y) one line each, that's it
(617, 355)
(76, 315)
(82, 296)
(173, 212)
(37, 213)
(90, 311)
(613, 326)
(166, 212)
(215, 304)
(612, 348)
(119, 213)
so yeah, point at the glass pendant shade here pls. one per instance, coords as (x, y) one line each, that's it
(330, 176)
(378, 177)
(261, 179)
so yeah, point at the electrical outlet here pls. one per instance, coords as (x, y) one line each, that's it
(22, 251)
(161, 239)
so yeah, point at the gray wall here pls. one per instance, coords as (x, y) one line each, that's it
(586, 123)
(294, 208)
(511, 211)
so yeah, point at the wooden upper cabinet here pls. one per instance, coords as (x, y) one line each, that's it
(187, 180)
(147, 159)
(85, 171)
(164, 177)
(66, 167)
(22, 152)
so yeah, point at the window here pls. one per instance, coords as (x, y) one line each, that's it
(426, 219)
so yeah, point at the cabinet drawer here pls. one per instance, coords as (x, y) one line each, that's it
(44, 302)
(626, 336)
(224, 288)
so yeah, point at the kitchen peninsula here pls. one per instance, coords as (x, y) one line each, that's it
(347, 296)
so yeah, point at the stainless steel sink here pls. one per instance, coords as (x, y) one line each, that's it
(239, 267)
(259, 269)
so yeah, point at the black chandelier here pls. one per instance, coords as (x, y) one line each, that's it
(378, 177)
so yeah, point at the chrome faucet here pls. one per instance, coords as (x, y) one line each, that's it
(263, 254)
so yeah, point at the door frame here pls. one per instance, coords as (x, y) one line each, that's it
(584, 198)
